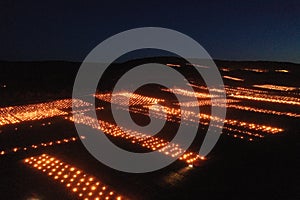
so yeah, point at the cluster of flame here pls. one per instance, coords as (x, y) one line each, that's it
(84, 185)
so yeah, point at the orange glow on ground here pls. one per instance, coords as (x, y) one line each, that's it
(64, 174)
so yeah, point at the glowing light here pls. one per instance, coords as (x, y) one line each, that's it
(266, 111)
(44, 161)
(202, 157)
(192, 117)
(235, 127)
(282, 71)
(276, 87)
(173, 65)
(135, 99)
(259, 95)
(143, 140)
(256, 70)
(234, 78)
(225, 69)
(38, 146)
(31, 112)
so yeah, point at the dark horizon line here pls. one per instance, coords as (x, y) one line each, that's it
(215, 60)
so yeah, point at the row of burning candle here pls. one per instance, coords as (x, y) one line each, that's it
(261, 96)
(230, 89)
(159, 112)
(141, 139)
(243, 127)
(276, 87)
(257, 70)
(265, 111)
(234, 78)
(31, 112)
(240, 93)
(236, 92)
(183, 92)
(135, 99)
(145, 100)
(39, 145)
(82, 184)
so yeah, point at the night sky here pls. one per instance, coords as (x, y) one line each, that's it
(231, 30)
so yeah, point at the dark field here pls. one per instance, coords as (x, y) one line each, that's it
(256, 157)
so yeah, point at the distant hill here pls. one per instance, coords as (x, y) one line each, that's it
(45, 80)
